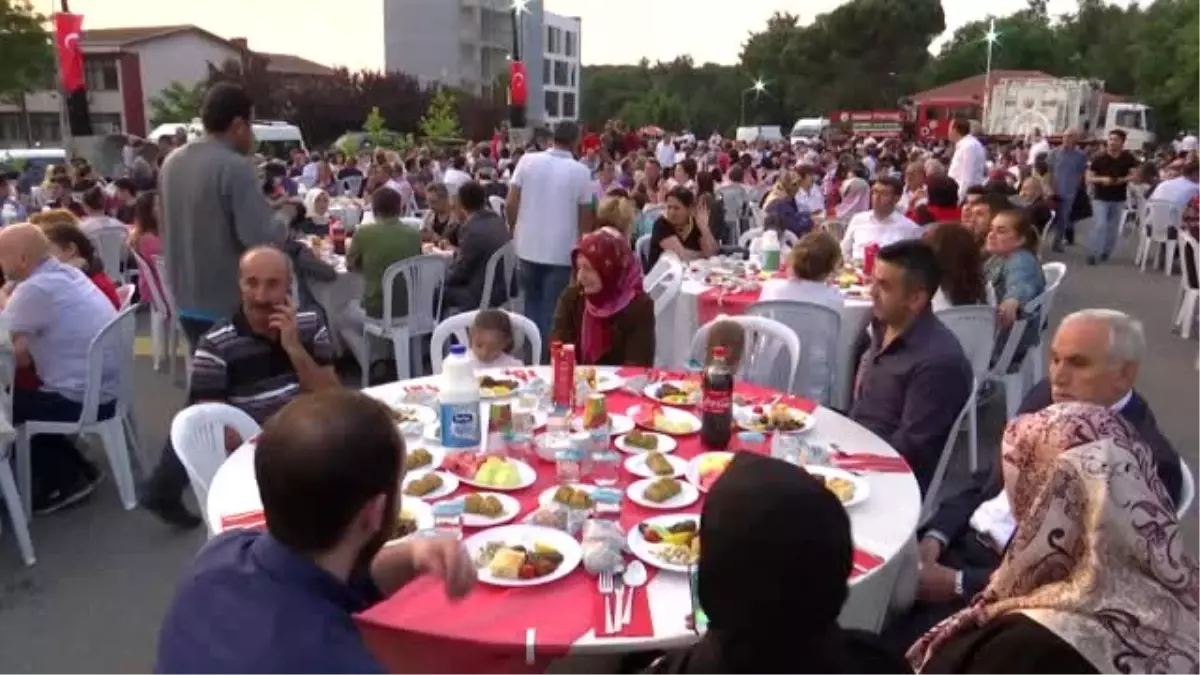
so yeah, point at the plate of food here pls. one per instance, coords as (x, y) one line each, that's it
(655, 464)
(663, 493)
(617, 424)
(411, 418)
(523, 555)
(490, 471)
(851, 489)
(422, 459)
(670, 543)
(429, 485)
(636, 442)
(674, 392)
(497, 387)
(572, 496)
(778, 417)
(706, 468)
(667, 420)
(602, 381)
(485, 509)
(414, 516)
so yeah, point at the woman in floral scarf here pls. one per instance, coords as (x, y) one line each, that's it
(1095, 578)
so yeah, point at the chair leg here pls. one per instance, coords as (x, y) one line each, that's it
(1037, 353)
(134, 444)
(973, 430)
(157, 348)
(1191, 300)
(364, 359)
(24, 470)
(401, 352)
(1012, 394)
(172, 346)
(1169, 266)
(16, 512)
(112, 435)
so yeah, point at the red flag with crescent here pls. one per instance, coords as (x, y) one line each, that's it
(518, 88)
(67, 30)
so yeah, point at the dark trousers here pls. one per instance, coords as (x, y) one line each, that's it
(542, 285)
(170, 479)
(55, 462)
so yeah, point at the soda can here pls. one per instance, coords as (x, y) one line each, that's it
(869, 254)
(564, 378)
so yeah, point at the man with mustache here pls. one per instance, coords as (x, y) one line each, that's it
(329, 466)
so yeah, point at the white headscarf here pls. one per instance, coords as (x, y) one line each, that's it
(856, 197)
(310, 206)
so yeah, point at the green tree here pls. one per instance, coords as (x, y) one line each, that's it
(655, 107)
(177, 102)
(441, 118)
(375, 127)
(26, 55)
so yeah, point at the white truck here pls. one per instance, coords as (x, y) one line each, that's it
(1016, 106)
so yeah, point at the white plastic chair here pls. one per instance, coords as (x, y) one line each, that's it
(1187, 489)
(174, 328)
(1188, 298)
(162, 328)
(818, 328)
(110, 246)
(198, 438)
(524, 330)
(749, 236)
(8, 483)
(424, 278)
(1158, 219)
(642, 247)
(764, 339)
(975, 328)
(663, 282)
(1054, 273)
(506, 254)
(1018, 382)
(930, 503)
(499, 206)
(351, 186)
(125, 295)
(111, 349)
(414, 223)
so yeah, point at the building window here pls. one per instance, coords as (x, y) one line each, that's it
(546, 71)
(570, 43)
(574, 75)
(568, 104)
(46, 127)
(11, 129)
(553, 40)
(106, 123)
(100, 73)
(560, 74)
(552, 104)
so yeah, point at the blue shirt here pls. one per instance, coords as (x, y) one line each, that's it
(251, 605)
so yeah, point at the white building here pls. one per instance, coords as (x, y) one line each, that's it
(561, 67)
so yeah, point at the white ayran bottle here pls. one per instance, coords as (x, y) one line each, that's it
(770, 251)
(458, 396)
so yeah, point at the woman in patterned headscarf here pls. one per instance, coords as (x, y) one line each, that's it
(1095, 578)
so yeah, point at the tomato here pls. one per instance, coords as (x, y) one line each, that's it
(652, 536)
(527, 571)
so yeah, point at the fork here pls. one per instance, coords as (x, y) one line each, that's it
(606, 589)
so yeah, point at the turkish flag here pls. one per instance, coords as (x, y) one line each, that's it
(518, 88)
(67, 29)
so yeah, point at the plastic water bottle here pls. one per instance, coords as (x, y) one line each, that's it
(770, 251)
(459, 401)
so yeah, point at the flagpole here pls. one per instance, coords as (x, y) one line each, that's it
(987, 78)
(64, 117)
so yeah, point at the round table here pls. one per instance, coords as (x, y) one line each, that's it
(883, 525)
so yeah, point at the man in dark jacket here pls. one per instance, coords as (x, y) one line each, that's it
(1094, 358)
(482, 233)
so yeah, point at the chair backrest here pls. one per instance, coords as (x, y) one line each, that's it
(1187, 489)
(351, 185)
(975, 328)
(111, 362)
(758, 216)
(506, 255)
(749, 236)
(836, 227)
(818, 328)
(164, 284)
(498, 205)
(1054, 273)
(125, 294)
(110, 245)
(766, 339)
(930, 503)
(524, 330)
(414, 223)
(1044, 241)
(198, 438)
(1160, 216)
(1191, 260)
(642, 247)
(663, 282)
(423, 280)
(153, 284)
(788, 239)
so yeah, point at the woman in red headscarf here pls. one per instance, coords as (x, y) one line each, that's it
(604, 312)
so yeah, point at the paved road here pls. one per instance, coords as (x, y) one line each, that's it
(104, 576)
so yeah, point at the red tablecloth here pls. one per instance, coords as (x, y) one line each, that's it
(419, 630)
(716, 301)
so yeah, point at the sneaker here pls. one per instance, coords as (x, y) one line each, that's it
(58, 499)
(172, 512)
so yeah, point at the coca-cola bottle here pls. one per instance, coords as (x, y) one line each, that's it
(716, 403)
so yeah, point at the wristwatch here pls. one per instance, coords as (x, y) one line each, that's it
(958, 583)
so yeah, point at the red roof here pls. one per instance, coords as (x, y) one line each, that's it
(972, 88)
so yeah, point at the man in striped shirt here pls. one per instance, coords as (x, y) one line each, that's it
(265, 355)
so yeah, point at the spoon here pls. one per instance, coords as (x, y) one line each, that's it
(635, 575)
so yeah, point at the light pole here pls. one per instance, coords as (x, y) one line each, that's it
(517, 82)
(758, 88)
(991, 37)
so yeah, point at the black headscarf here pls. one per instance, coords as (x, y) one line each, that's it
(775, 557)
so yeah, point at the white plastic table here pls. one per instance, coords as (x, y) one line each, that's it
(884, 525)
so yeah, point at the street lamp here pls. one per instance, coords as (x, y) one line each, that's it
(759, 88)
(991, 37)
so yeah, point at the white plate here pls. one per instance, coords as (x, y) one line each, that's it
(617, 424)
(688, 494)
(693, 467)
(527, 536)
(512, 507)
(525, 475)
(433, 431)
(547, 496)
(742, 415)
(435, 451)
(645, 551)
(607, 381)
(421, 511)
(672, 414)
(862, 489)
(636, 465)
(651, 391)
(666, 444)
(449, 485)
(488, 396)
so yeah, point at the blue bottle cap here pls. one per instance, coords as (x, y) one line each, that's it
(606, 496)
(448, 508)
(458, 350)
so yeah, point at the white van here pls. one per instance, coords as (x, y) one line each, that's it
(809, 128)
(275, 139)
(31, 160)
(752, 134)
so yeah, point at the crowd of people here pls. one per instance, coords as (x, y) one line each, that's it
(1065, 558)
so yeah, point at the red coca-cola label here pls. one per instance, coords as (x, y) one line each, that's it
(564, 377)
(869, 254)
(716, 401)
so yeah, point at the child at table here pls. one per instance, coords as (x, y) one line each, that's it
(730, 335)
(491, 338)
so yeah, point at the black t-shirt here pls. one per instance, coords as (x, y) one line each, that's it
(1113, 167)
(665, 230)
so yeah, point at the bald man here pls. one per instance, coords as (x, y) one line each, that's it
(54, 311)
(258, 360)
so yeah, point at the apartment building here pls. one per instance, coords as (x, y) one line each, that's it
(561, 68)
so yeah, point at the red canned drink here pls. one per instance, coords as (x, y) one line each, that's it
(564, 378)
(869, 254)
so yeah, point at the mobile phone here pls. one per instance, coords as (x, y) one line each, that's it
(699, 618)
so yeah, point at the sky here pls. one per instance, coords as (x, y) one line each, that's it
(613, 31)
